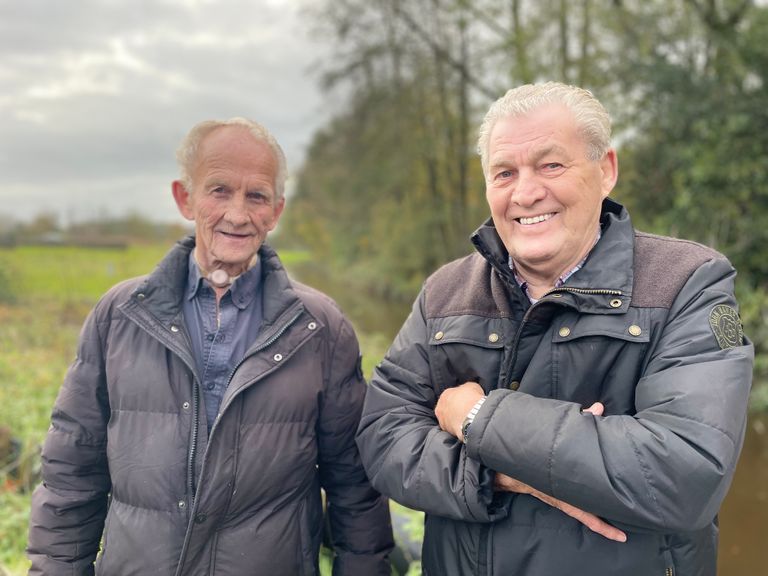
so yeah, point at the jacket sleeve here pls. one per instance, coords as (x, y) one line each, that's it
(665, 468)
(360, 524)
(407, 455)
(69, 507)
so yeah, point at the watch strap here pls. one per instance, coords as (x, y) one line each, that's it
(471, 418)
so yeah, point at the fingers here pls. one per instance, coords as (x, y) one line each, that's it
(596, 409)
(502, 482)
(506, 483)
(591, 521)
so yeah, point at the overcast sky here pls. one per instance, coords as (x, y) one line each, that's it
(96, 94)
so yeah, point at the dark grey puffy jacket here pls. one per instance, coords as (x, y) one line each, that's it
(637, 329)
(128, 429)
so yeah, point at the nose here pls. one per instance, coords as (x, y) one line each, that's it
(528, 189)
(237, 209)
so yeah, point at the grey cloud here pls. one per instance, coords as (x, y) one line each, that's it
(95, 95)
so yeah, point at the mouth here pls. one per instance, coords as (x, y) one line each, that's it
(527, 221)
(234, 235)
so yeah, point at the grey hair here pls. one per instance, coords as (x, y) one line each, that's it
(186, 154)
(592, 119)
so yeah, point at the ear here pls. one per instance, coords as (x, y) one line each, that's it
(609, 166)
(183, 199)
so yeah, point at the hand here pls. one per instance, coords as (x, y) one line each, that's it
(454, 404)
(505, 483)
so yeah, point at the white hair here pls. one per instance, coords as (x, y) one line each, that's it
(592, 119)
(186, 154)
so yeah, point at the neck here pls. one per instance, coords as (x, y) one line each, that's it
(222, 276)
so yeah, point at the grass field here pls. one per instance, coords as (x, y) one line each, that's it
(45, 294)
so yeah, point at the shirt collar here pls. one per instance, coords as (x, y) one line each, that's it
(242, 291)
(562, 279)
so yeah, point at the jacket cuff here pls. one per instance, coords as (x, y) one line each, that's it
(489, 505)
(482, 418)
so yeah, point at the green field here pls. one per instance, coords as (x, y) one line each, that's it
(45, 293)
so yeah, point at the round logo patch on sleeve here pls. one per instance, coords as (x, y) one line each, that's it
(726, 326)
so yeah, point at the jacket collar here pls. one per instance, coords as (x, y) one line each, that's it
(609, 266)
(162, 291)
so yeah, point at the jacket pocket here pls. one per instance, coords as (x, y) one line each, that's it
(465, 348)
(591, 352)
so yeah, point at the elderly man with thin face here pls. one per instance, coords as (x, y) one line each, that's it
(571, 398)
(210, 402)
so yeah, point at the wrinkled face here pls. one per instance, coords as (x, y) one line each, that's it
(545, 195)
(232, 200)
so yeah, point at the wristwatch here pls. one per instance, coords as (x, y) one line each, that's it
(470, 418)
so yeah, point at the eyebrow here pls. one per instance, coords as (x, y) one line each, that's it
(536, 155)
(547, 150)
(215, 182)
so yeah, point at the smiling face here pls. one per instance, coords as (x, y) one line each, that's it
(544, 193)
(232, 201)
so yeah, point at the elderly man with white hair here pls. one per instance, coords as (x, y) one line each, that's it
(210, 402)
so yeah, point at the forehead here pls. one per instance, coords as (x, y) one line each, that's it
(551, 125)
(235, 149)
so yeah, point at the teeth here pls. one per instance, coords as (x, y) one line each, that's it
(536, 219)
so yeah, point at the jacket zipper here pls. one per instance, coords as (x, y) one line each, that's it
(193, 442)
(516, 342)
(604, 291)
(669, 572)
(195, 430)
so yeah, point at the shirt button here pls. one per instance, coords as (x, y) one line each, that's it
(209, 337)
(174, 328)
(140, 296)
(185, 405)
(277, 357)
(615, 303)
(200, 518)
(493, 337)
(182, 504)
(635, 330)
(439, 335)
(564, 331)
(210, 386)
(312, 326)
(514, 385)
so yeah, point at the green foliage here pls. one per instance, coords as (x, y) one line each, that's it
(13, 532)
(684, 81)
(369, 171)
(7, 295)
(754, 314)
